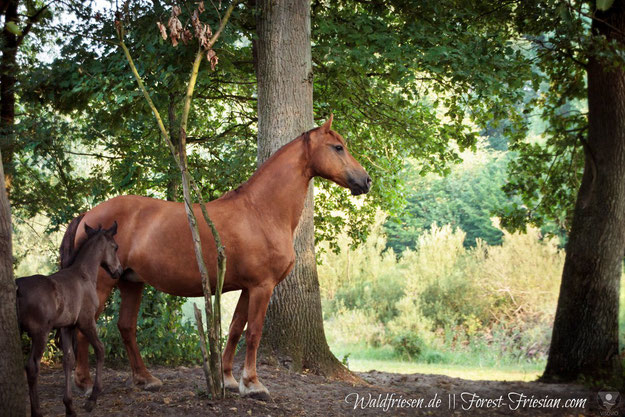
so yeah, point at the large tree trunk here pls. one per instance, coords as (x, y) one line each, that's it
(8, 69)
(585, 331)
(293, 329)
(12, 382)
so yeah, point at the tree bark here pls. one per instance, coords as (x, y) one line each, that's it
(585, 331)
(8, 79)
(293, 330)
(12, 382)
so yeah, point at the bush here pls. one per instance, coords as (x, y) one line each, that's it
(495, 303)
(408, 344)
(163, 336)
(355, 327)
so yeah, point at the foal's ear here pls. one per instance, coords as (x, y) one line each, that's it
(113, 229)
(90, 231)
(325, 128)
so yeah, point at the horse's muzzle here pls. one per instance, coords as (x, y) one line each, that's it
(361, 185)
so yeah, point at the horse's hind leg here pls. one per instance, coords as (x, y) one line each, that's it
(68, 364)
(129, 310)
(234, 334)
(82, 379)
(91, 333)
(32, 369)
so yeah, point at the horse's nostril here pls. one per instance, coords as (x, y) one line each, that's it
(369, 181)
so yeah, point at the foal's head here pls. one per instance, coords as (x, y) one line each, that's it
(330, 159)
(104, 239)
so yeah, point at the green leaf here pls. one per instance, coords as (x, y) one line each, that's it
(604, 5)
(12, 27)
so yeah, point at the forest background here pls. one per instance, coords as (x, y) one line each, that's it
(470, 129)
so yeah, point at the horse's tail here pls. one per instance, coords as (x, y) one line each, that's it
(67, 244)
(58, 340)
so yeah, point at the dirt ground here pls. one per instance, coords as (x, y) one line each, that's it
(294, 394)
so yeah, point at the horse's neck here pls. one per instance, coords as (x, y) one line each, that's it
(88, 259)
(279, 188)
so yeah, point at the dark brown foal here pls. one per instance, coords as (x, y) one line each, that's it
(67, 300)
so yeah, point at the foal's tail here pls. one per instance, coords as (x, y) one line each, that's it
(67, 244)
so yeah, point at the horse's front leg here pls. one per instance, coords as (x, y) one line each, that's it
(82, 379)
(234, 334)
(250, 386)
(68, 364)
(91, 333)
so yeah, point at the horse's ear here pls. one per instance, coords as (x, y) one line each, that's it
(89, 230)
(328, 124)
(113, 229)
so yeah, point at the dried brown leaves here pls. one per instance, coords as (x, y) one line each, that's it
(201, 31)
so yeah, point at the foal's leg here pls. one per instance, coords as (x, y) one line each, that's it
(68, 364)
(82, 379)
(234, 334)
(91, 333)
(129, 310)
(32, 369)
(250, 386)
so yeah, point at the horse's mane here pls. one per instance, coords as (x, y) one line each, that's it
(305, 137)
(67, 253)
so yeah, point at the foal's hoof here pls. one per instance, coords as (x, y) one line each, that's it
(89, 404)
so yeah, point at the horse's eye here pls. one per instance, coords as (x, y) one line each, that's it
(338, 148)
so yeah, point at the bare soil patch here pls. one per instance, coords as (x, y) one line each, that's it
(294, 394)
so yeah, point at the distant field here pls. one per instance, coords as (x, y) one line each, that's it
(456, 371)
(367, 359)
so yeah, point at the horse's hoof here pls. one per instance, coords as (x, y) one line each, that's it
(154, 384)
(230, 384)
(255, 390)
(147, 383)
(89, 405)
(258, 395)
(84, 386)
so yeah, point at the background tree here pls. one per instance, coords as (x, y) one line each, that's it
(585, 331)
(12, 37)
(466, 199)
(294, 323)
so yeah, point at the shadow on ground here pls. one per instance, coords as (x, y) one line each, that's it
(183, 394)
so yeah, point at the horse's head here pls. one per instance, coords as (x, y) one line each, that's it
(330, 159)
(110, 261)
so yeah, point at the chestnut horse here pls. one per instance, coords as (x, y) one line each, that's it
(256, 222)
